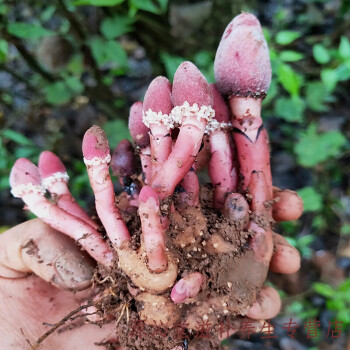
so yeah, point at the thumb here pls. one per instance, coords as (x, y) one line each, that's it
(35, 247)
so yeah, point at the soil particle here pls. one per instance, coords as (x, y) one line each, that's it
(31, 248)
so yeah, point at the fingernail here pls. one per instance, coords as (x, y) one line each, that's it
(254, 310)
(73, 272)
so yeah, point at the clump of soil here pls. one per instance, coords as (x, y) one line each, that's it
(233, 280)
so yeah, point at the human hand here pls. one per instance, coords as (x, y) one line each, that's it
(44, 275)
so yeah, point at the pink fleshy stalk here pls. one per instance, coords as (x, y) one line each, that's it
(97, 157)
(140, 134)
(190, 184)
(189, 87)
(243, 73)
(25, 182)
(53, 173)
(152, 229)
(222, 171)
(157, 105)
(251, 140)
(262, 241)
(187, 287)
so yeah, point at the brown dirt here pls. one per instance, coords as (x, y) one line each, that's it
(233, 279)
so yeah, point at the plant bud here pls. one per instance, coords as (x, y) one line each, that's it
(95, 143)
(123, 161)
(50, 164)
(242, 64)
(138, 130)
(157, 97)
(190, 85)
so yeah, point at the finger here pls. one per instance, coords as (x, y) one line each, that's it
(286, 258)
(288, 205)
(236, 209)
(261, 242)
(35, 247)
(267, 305)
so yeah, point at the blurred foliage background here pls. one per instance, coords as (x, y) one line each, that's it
(67, 64)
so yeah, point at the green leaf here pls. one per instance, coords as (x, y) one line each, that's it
(273, 91)
(16, 137)
(344, 316)
(4, 49)
(153, 6)
(345, 230)
(324, 289)
(290, 109)
(292, 241)
(26, 152)
(336, 303)
(171, 63)
(295, 307)
(75, 84)
(286, 37)
(108, 52)
(203, 59)
(344, 48)
(345, 286)
(321, 54)
(267, 34)
(4, 156)
(116, 131)
(47, 13)
(4, 183)
(316, 95)
(290, 56)
(97, 2)
(311, 199)
(314, 148)
(306, 240)
(58, 93)
(116, 26)
(329, 78)
(28, 31)
(4, 228)
(289, 79)
(4, 9)
(343, 71)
